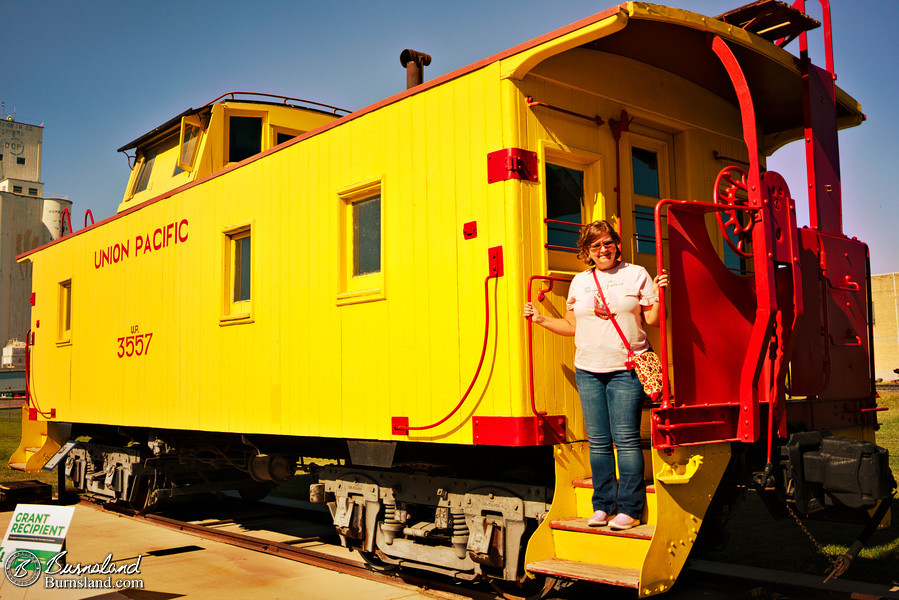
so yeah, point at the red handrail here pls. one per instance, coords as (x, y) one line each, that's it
(66, 218)
(31, 401)
(540, 295)
(660, 267)
(828, 33)
(407, 428)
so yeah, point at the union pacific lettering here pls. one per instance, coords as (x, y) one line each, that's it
(162, 237)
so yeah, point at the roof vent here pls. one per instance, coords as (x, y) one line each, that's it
(415, 62)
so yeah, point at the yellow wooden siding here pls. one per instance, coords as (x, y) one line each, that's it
(304, 365)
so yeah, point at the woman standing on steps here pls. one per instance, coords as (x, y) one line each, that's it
(611, 395)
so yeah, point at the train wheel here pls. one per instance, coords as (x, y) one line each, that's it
(253, 494)
(538, 588)
(140, 500)
(375, 563)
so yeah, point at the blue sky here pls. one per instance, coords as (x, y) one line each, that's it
(99, 74)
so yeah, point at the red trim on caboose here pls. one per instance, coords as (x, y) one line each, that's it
(518, 431)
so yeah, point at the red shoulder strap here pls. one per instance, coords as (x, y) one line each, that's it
(611, 315)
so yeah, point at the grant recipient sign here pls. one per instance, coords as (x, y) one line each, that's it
(37, 529)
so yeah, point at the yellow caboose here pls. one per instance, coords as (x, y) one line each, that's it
(282, 280)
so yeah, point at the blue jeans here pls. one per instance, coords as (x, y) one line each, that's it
(612, 405)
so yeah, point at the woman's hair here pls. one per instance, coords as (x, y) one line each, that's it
(589, 234)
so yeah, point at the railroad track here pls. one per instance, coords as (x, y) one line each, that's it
(319, 550)
(706, 579)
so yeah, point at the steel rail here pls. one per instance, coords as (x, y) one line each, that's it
(315, 558)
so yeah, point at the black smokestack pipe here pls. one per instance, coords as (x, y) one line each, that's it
(415, 62)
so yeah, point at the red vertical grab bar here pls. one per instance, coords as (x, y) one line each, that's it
(531, 393)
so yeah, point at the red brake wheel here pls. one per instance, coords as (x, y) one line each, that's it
(731, 181)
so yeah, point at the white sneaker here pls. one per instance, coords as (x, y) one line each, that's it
(598, 519)
(622, 522)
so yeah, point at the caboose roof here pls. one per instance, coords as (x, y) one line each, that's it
(677, 41)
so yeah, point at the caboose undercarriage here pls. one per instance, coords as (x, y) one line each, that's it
(449, 510)
(171, 464)
(461, 528)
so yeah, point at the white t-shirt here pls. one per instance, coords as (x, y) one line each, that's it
(627, 288)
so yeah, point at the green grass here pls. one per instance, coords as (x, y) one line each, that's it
(888, 436)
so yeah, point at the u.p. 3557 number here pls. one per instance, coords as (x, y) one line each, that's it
(134, 345)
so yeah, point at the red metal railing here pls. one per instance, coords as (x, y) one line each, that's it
(828, 33)
(660, 267)
(540, 295)
(66, 218)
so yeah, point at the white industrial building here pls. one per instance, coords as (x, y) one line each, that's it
(27, 220)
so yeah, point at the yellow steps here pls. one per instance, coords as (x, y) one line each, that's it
(576, 541)
(40, 441)
(648, 557)
(572, 569)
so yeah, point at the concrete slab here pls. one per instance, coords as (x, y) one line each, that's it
(178, 565)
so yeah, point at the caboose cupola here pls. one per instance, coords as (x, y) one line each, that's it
(220, 134)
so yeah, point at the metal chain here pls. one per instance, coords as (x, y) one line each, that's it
(835, 562)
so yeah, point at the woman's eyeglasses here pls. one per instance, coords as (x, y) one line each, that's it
(598, 245)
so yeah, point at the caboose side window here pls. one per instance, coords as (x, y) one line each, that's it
(64, 334)
(244, 137)
(188, 143)
(242, 269)
(367, 236)
(238, 275)
(571, 196)
(564, 201)
(361, 239)
(283, 134)
(146, 168)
